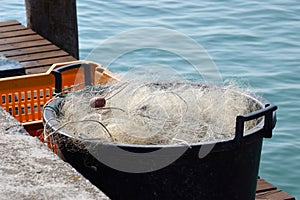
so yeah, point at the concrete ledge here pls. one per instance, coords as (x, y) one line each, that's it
(29, 170)
(9, 125)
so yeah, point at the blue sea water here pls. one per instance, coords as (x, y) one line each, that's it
(254, 43)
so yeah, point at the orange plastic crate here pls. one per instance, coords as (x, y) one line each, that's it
(24, 96)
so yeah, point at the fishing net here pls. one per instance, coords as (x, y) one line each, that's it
(152, 113)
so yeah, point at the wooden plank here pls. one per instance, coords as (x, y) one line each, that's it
(37, 70)
(274, 195)
(16, 33)
(42, 69)
(24, 45)
(39, 56)
(20, 39)
(9, 23)
(12, 28)
(45, 62)
(30, 50)
(263, 186)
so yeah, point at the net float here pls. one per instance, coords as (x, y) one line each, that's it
(97, 102)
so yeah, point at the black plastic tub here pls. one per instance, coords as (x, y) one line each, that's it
(229, 169)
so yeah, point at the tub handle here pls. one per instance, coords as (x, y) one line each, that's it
(269, 121)
(58, 77)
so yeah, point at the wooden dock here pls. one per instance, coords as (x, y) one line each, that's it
(36, 54)
(267, 191)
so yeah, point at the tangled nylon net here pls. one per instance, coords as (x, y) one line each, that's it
(156, 112)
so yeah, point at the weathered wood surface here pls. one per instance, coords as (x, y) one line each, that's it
(267, 191)
(9, 23)
(55, 21)
(35, 53)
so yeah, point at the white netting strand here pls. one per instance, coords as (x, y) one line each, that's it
(157, 113)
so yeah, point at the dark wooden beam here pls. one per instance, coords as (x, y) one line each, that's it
(55, 21)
